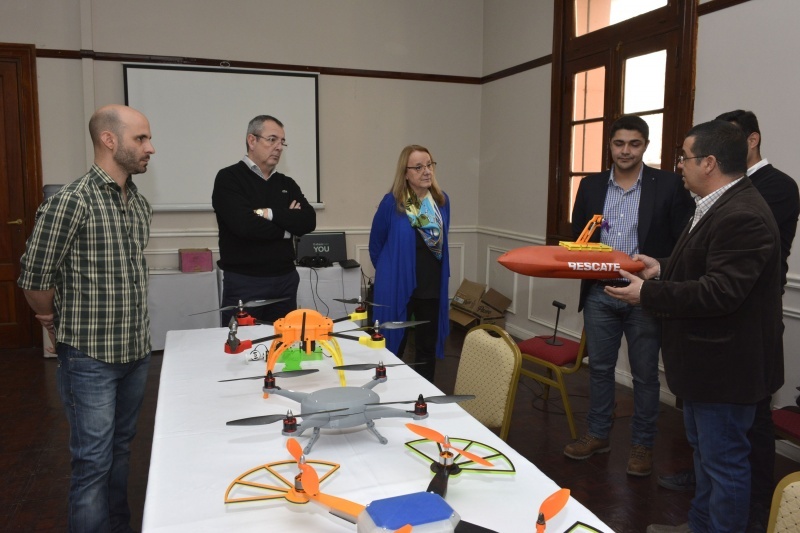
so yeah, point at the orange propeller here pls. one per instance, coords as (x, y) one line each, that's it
(550, 507)
(294, 448)
(310, 482)
(405, 529)
(435, 436)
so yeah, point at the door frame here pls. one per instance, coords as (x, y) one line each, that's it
(23, 56)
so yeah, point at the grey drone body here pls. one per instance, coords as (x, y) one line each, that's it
(355, 402)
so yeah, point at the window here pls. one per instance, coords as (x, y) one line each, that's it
(591, 15)
(616, 57)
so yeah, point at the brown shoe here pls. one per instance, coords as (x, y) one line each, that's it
(586, 446)
(640, 461)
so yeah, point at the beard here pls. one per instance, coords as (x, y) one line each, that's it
(130, 161)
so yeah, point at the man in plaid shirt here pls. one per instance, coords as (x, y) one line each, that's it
(84, 274)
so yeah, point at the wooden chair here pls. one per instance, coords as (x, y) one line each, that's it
(558, 361)
(489, 368)
(784, 514)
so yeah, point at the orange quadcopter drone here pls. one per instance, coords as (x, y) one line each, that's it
(426, 511)
(304, 328)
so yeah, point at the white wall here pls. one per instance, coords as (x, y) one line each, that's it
(364, 122)
(747, 59)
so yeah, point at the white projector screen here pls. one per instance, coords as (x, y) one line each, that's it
(198, 119)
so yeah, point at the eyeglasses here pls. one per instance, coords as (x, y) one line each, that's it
(272, 140)
(682, 158)
(419, 168)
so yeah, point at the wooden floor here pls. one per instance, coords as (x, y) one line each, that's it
(34, 459)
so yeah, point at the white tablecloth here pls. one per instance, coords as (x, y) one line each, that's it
(196, 456)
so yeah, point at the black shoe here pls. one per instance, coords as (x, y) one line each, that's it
(759, 516)
(682, 481)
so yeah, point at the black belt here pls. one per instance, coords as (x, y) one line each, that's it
(613, 282)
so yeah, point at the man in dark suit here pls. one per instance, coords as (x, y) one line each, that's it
(720, 300)
(644, 211)
(781, 194)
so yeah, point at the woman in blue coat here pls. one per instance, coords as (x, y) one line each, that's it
(408, 248)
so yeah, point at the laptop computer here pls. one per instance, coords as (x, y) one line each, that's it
(330, 245)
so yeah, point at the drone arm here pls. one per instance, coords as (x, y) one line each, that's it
(267, 338)
(292, 395)
(438, 484)
(376, 412)
(340, 505)
(371, 384)
(343, 336)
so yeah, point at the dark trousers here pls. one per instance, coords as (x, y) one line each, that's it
(237, 287)
(762, 461)
(425, 335)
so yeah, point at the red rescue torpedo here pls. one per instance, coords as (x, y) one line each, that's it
(580, 259)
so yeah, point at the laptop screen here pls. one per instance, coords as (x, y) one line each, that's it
(326, 244)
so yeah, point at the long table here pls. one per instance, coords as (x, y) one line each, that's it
(195, 456)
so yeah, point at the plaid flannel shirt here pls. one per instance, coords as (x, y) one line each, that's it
(90, 247)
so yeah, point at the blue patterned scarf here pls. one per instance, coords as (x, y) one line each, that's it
(424, 215)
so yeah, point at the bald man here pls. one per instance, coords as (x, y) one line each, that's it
(84, 275)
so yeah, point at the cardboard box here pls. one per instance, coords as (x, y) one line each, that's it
(195, 260)
(474, 304)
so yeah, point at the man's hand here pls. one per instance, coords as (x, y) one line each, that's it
(47, 323)
(42, 304)
(295, 205)
(652, 268)
(629, 294)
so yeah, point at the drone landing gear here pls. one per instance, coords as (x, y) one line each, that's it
(371, 427)
(314, 438)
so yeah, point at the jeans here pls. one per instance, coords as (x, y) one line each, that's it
(237, 287)
(718, 434)
(102, 402)
(605, 320)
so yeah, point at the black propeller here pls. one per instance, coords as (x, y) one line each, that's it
(269, 419)
(251, 303)
(449, 398)
(387, 325)
(284, 374)
(370, 366)
(358, 301)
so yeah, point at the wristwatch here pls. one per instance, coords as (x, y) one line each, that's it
(259, 212)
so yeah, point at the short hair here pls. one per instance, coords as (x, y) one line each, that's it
(725, 141)
(630, 122)
(746, 120)
(255, 126)
(400, 185)
(104, 119)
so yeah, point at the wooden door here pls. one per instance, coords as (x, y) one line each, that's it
(20, 188)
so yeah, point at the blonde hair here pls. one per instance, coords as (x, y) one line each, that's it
(400, 186)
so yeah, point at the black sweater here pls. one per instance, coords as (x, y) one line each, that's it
(249, 244)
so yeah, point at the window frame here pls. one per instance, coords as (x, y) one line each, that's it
(672, 27)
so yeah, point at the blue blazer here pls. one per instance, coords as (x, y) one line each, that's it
(393, 251)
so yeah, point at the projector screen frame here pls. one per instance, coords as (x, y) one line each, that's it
(225, 125)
